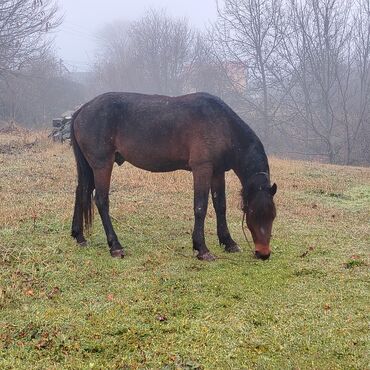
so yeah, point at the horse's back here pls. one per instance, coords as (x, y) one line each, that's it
(154, 132)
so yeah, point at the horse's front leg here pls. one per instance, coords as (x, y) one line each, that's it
(219, 203)
(202, 182)
(102, 183)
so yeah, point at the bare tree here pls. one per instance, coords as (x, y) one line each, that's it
(23, 27)
(114, 66)
(298, 70)
(317, 52)
(164, 51)
(248, 34)
(155, 54)
(360, 138)
(307, 66)
(208, 74)
(38, 92)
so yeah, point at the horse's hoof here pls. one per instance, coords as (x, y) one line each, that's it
(208, 256)
(233, 249)
(117, 253)
(82, 242)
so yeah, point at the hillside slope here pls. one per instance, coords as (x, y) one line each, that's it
(62, 306)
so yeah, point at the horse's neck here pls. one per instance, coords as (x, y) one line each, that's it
(249, 165)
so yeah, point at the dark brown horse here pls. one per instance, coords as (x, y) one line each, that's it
(196, 132)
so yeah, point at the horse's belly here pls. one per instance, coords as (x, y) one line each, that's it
(160, 166)
(155, 160)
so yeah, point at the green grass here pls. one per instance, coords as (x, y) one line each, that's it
(64, 307)
(353, 199)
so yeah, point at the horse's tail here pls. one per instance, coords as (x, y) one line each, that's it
(86, 184)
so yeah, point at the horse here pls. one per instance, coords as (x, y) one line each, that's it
(196, 132)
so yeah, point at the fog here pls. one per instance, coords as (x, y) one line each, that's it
(298, 72)
(76, 37)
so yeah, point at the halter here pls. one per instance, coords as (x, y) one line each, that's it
(266, 174)
(245, 234)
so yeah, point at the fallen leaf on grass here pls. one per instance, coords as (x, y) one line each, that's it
(54, 292)
(307, 251)
(29, 293)
(43, 342)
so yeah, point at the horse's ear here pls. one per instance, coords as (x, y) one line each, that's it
(273, 189)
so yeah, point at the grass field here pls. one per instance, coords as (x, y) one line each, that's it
(65, 307)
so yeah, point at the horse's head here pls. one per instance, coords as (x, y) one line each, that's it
(260, 211)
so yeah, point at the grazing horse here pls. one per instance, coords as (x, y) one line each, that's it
(196, 132)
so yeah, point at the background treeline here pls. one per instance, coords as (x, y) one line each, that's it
(298, 71)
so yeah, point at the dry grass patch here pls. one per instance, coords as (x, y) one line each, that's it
(67, 307)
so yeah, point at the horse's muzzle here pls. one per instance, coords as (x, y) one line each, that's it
(262, 256)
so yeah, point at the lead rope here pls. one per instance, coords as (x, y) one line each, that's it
(245, 235)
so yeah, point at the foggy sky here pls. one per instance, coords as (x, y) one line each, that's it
(76, 37)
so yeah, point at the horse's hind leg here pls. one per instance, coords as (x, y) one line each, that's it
(202, 183)
(102, 178)
(77, 223)
(219, 203)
